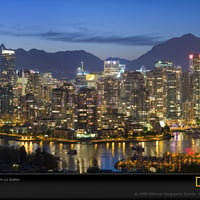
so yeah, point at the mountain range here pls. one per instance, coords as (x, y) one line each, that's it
(63, 64)
(176, 50)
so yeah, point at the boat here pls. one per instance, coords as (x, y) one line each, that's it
(72, 152)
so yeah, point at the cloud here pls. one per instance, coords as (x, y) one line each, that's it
(126, 40)
(83, 37)
(78, 37)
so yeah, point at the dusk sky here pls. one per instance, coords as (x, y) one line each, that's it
(117, 28)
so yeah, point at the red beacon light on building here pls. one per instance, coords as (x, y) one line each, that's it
(191, 56)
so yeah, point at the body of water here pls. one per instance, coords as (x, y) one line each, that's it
(105, 155)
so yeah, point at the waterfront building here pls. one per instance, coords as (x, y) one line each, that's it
(194, 61)
(109, 117)
(44, 126)
(109, 94)
(63, 133)
(86, 111)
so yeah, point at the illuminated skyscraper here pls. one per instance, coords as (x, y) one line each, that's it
(109, 96)
(109, 89)
(8, 80)
(165, 87)
(62, 103)
(113, 68)
(195, 78)
(86, 111)
(6, 99)
(134, 95)
(80, 80)
(156, 84)
(8, 65)
(69, 104)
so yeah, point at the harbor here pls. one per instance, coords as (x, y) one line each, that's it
(105, 155)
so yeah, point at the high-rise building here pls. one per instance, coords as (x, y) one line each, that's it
(134, 96)
(194, 60)
(69, 104)
(33, 86)
(186, 86)
(6, 99)
(109, 91)
(110, 121)
(58, 102)
(113, 68)
(91, 80)
(174, 93)
(80, 80)
(156, 84)
(28, 106)
(8, 66)
(86, 111)
(165, 88)
(22, 79)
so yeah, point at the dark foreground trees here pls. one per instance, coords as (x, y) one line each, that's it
(17, 160)
(189, 168)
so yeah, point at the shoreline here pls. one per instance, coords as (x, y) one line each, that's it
(29, 138)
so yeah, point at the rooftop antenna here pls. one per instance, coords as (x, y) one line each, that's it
(82, 69)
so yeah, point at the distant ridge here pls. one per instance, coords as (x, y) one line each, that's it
(175, 49)
(63, 64)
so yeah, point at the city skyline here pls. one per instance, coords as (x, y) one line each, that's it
(125, 29)
(114, 106)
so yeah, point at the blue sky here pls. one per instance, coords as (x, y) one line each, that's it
(117, 28)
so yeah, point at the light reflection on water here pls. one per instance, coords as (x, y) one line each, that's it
(105, 155)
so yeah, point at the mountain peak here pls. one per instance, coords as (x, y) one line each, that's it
(176, 49)
(189, 35)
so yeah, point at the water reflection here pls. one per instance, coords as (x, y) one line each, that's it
(105, 155)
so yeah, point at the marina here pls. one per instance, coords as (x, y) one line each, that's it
(106, 154)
